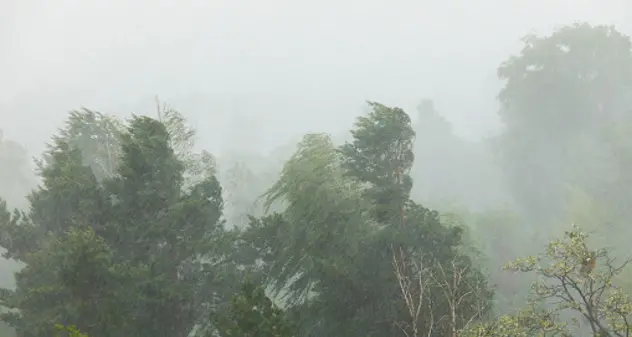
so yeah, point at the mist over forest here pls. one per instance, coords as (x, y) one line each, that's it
(365, 199)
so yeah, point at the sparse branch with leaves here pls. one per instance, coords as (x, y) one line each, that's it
(575, 293)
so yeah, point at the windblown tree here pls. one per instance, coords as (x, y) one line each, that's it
(96, 136)
(381, 154)
(197, 165)
(152, 239)
(330, 252)
(384, 140)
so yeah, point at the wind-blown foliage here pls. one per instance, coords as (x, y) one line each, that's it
(165, 242)
(126, 235)
(330, 250)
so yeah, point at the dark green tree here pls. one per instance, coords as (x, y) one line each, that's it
(71, 279)
(175, 231)
(381, 154)
(252, 314)
(330, 252)
(161, 228)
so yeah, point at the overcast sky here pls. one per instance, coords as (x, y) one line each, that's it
(286, 67)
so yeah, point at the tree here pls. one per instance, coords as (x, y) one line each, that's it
(69, 195)
(197, 165)
(324, 210)
(330, 249)
(173, 229)
(164, 231)
(570, 297)
(441, 296)
(381, 154)
(559, 94)
(252, 314)
(71, 279)
(143, 250)
(383, 142)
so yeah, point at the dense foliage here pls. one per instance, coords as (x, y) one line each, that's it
(127, 232)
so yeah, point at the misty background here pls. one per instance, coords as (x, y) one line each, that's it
(279, 68)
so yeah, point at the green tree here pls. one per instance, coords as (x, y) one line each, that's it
(71, 279)
(252, 314)
(197, 165)
(381, 154)
(324, 211)
(96, 136)
(172, 229)
(163, 228)
(383, 142)
(570, 298)
(331, 250)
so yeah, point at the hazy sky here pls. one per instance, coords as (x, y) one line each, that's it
(287, 66)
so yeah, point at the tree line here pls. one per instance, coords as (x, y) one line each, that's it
(126, 233)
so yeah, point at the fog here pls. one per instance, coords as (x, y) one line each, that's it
(253, 77)
(309, 66)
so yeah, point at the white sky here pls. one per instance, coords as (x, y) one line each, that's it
(287, 66)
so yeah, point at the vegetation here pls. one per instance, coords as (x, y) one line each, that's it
(127, 232)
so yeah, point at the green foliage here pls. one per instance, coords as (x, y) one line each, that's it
(68, 331)
(73, 278)
(325, 211)
(182, 139)
(330, 251)
(569, 298)
(381, 154)
(140, 251)
(96, 136)
(252, 313)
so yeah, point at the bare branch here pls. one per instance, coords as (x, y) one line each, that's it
(453, 284)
